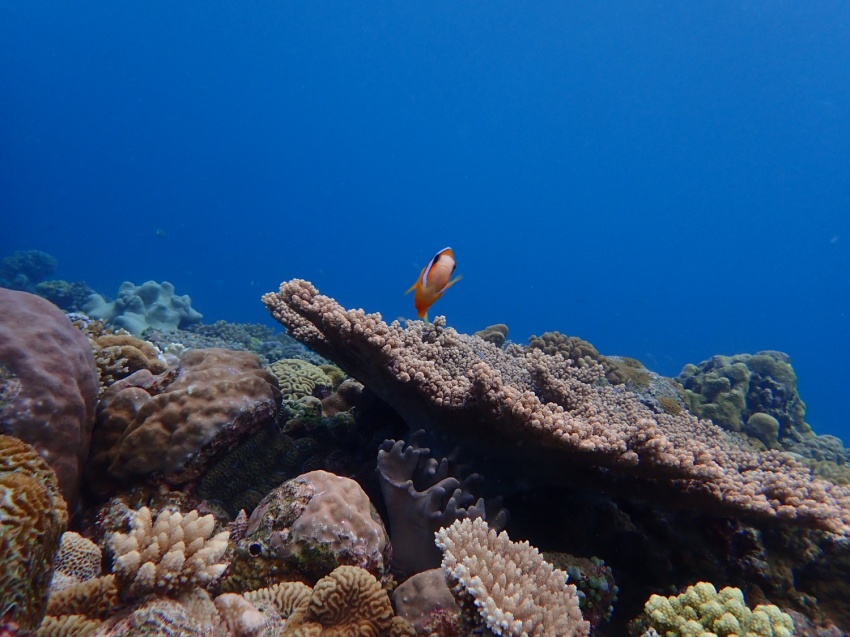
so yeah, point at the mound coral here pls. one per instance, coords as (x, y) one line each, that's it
(119, 355)
(170, 426)
(52, 367)
(702, 611)
(298, 378)
(507, 586)
(168, 555)
(304, 529)
(33, 517)
(534, 411)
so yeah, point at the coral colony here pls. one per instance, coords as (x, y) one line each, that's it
(354, 478)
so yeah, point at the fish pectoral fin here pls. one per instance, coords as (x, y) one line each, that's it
(411, 288)
(452, 282)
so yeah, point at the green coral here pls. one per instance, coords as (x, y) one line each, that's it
(702, 611)
(298, 378)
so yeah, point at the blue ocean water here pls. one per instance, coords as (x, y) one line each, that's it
(666, 180)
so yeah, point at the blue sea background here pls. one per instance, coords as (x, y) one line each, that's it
(667, 180)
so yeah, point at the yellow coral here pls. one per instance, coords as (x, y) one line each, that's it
(702, 611)
(298, 378)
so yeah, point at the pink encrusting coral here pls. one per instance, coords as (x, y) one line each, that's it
(436, 377)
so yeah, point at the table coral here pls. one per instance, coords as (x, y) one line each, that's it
(171, 425)
(53, 407)
(702, 611)
(33, 517)
(557, 411)
(304, 529)
(507, 586)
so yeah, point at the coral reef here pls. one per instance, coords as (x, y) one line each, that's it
(730, 390)
(168, 555)
(422, 496)
(171, 425)
(496, 334)
(298, 378)
(506, 586)
(52, 368)
(427, 602)
(304, 529)
(33, 517)
(22, 270)
(78, 560)
(119, 355)
(141, 307)
(701, 611)
(536, 411)
(67, 296)
(594, 582)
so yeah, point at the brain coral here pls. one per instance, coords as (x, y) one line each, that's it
(53, 369)
(304, 529)
(507, 586)
(33, 517)
(172, 424)
(298, 378)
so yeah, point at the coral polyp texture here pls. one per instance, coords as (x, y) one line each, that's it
(702, 611)
(78, 560)
(507, 587)
(437, 378)
(33, 516)
(168, 555)
(170, 425)
(51, 366)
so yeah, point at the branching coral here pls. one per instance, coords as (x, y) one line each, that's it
(507, 586)
(169, 555)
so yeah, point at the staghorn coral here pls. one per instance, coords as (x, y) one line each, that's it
(298, 378)
(169, 555)
(507, 586)
(170, 426)
(304, 529)
(53, 405)
(33, 517)
(349, 602)
(437, 378)
(78, 560)
(702, 611)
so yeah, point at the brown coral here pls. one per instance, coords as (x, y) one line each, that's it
(437, 378)
(119, 355)
(53, 368)
(507, 586)
(347, 603)
(78, 560)
(33, 517)
(67, 626)
(172, 424)
(298, 378)
(95, 599)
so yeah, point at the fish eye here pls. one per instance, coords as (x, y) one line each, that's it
(255, 549)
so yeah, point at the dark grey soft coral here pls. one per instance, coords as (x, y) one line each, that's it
(423, 495)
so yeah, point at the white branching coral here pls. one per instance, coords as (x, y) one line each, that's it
(507, 586)
(169, 555)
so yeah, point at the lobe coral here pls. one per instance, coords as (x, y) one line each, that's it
(542, 413)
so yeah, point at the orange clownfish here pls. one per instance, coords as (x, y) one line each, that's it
(434, 281)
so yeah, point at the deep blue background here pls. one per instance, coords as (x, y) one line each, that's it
(666, 180)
